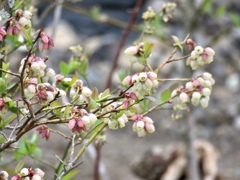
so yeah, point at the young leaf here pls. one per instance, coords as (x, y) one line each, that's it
(70, 175)
(165, 95)
(64, 69)
(19, 166)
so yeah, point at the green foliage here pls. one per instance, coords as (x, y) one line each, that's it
(28, 147)
(70, 175)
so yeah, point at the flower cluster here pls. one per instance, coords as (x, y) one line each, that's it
(142, 83)
(168, 11)
(142, 125)
(29, 174)
(198, 89)
(116, 123)
(79, 92)
(81, 120)
(46, 42)
(149, 14)
(200, 57)
(44, 131)
(24, 19)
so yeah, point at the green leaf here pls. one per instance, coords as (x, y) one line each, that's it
(207, 6)
(9, 119)
(19, 166)
(221, 10)
(95, 94)
(235, 19)
(64, 69)
(177, 43)
(3, 86)
(70, 175)
(92, 104)
(165, 95)
(95, 13)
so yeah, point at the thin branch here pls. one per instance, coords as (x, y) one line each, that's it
(174, 79)
(11, 73)
(123, 39)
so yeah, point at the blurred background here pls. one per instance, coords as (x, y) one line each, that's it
(98, 26)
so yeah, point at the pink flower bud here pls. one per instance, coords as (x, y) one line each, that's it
(209, 51)
(127, 81)
(2, 31)
(71, 123)
(188, 61)
(1, 102)
(10, 30)
(195, 83)
(152, 75)
(50, 72)
(16, 177)
(27, 14)
(184, 97)
(45, 38)
(131, 51)
(25, 23)
(149, 127)
(133, 96)
(147, 120)
(126, 103)
(32, 89)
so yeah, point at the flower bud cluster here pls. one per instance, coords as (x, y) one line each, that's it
(168, 11)
(44, 131)
(29, 174)
(116, 123)
(142, 125)
(46, 42)
(197, 91)
(80, 92)
(149, 14)
(81, 120)
(143, 83)
(200, 56)
(24, 18)
(45, 93)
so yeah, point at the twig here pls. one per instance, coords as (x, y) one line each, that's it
(166, 61)
(123, 39)
(60, 133)
(8, 72)
(174, 79)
